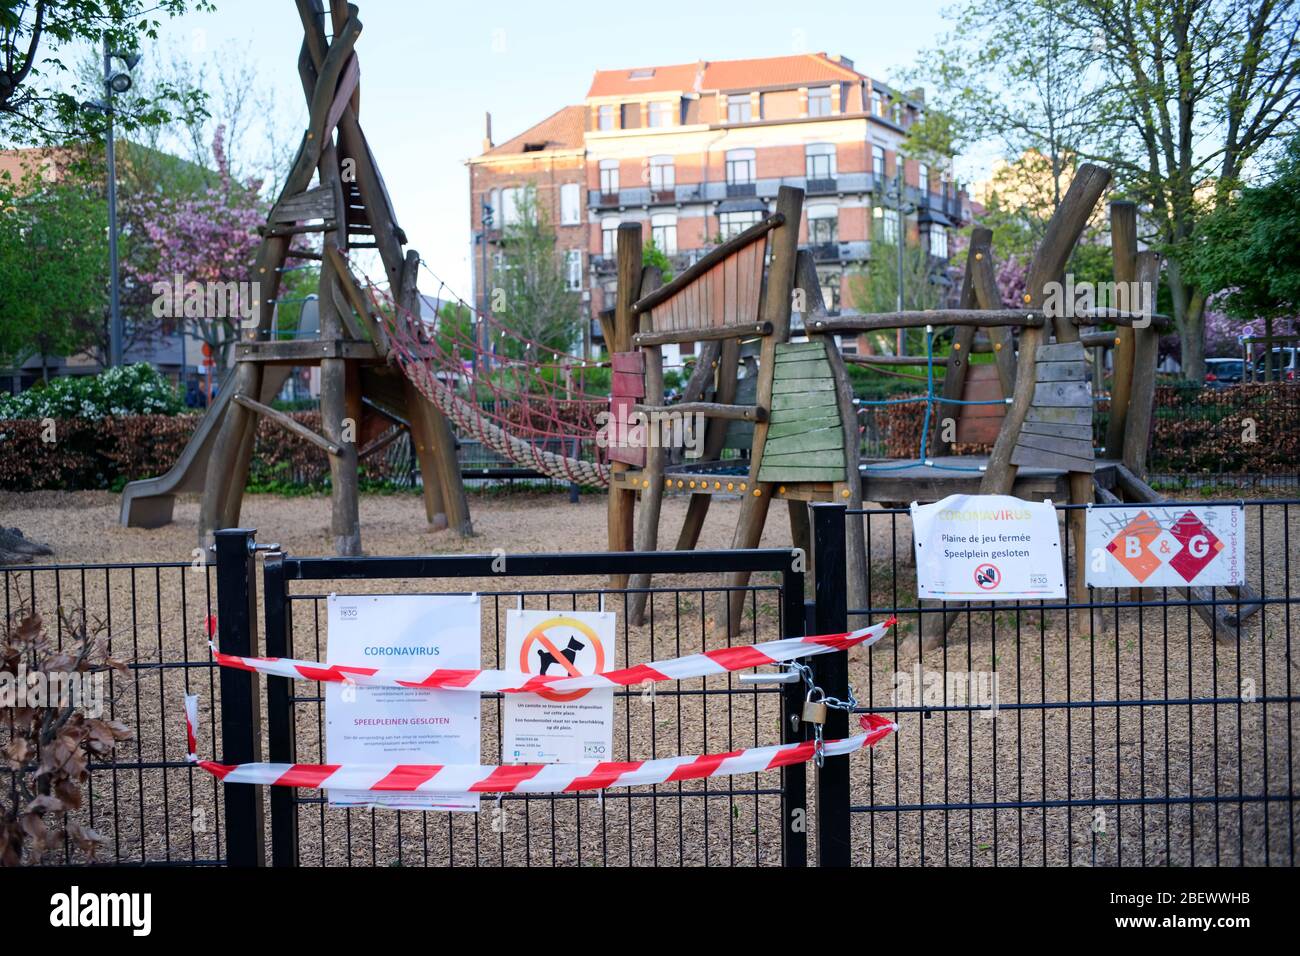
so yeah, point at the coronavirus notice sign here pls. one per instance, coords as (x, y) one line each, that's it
(987, 547)
(551, 726)
(1160, 546)
(402, 725)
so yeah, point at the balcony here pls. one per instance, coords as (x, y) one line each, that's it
(599, 200)
(741, 190)
(604, 265)
(820, 187)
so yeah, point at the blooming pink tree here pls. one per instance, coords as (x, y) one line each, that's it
(196, 253)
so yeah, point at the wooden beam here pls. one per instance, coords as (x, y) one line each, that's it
(1001, 341)
(652, 492)
(735, 413)
(954, 378)
(875, 321)
(643, 339)
(288, 424)
(1142, 395)
(622, 501)
(1123, 248)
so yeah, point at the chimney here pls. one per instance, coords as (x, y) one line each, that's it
(841, 59)
(487, 132)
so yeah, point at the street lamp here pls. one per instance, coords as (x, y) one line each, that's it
(115, 81)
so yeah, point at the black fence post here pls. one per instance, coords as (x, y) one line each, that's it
(281, 744)
(794, 777)
(831, 672)
(240, 712)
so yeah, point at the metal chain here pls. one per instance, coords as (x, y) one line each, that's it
(814, 693)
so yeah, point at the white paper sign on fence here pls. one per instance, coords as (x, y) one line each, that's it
(402, 725)
(551, 727)
(988, 548)
(1174, 545)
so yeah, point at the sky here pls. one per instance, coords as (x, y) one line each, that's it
(430, 70)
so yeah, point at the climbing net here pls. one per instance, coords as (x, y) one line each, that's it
(931, 400)
(526, 400)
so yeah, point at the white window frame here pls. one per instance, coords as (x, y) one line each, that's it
(570, 204)
(742, 104)
(738, 160)
(663, 174)
(819, 151)
(663, 110)
(510, 205)
(878, 163)
(938, 241)
(609, 236)
(663, 232)
(605, 117)
(609, 176)
(823, 94)
(738, 222)
(573, 270)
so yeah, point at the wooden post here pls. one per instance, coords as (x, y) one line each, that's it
(652, 491)
(987, 296)
(1137, 431)
(1123, 247)
(622, 500)
(784, 245)
(963, 337)
(223, 485)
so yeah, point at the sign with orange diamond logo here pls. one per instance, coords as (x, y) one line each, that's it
(1166, 546)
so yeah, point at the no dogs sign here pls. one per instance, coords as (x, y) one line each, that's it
(550, 726)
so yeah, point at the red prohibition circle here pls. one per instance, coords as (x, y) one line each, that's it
(988, 581)
(538, 634)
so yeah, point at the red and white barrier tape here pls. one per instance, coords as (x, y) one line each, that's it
(533, 777)
(718, 661)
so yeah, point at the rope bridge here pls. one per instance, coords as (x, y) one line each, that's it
(495, 387)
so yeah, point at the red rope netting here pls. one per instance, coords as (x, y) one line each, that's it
(523, 398)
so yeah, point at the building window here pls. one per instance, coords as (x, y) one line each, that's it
(605, 118)
(938, 241)
(609, 176)
(663, 233)
(877, 103)
(510, 199)
(923, 177)
(660, 114)
(897, 110)
(734, 223)
(740, 167)
(830, 286)
(819, 101)
(885, 224)
(631, 113)
(492, 214)
(819, 161)
(739, 109)
(609, 237)
(573, 270)
(878, 163)
(570, 204)
(663, 175)
(823, 224)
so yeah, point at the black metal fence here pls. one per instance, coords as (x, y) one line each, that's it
(1121, 730)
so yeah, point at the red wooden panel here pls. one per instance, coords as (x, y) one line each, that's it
(980, 424)
(625, 444)
(628, 362)
(628, 385)
(717, 291)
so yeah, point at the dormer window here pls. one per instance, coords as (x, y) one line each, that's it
(605, 118)
(659, 114)
(877, 103)
(739, 109)
(819, 101)
(644, 73)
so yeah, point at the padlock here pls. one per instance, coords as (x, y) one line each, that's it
(814, 712)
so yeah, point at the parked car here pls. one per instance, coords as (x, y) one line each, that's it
(1222, 372)
(1281, 365)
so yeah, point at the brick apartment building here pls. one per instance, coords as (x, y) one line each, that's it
(696, 152)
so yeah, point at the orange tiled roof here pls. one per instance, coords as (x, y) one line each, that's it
(561, 130)
(722, 75)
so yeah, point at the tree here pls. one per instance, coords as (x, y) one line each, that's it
(53, 268)
(531, 285)
(1246, 250)
(455, 331)
(33, 37)
(875, 289)
(205, 244)
(1178, 97)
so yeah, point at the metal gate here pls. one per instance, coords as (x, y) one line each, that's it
(757, 819)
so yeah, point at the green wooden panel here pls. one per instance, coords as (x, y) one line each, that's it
(739, 435)
(801, 370)
(828, 457)
(807, 441)
(798, 426)
(786, 386)
(792, 473)
(825, 402)
(789, 350)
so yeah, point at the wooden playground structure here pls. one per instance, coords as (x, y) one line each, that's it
(804, 443)
(362, 393)
(791, 419)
